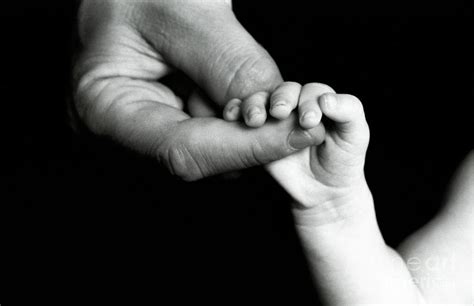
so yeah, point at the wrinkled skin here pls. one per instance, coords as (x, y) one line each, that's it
(129, 46)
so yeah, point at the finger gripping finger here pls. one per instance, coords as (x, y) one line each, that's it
(347, 112)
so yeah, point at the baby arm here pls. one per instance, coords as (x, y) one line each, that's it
(440, 255)
(333, 210)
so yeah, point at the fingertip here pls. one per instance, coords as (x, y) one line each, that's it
(302, 138)
(310, 119)
(342, 108)
(280, 110)
(284, 99)
(232, 110)
(232, 114)
(328, 103)
(348, 114)
(255, 116)
(319, 134)
(253, 109)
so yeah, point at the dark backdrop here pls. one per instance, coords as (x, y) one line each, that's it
(89, 216)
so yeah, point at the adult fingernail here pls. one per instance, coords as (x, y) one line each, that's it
(300, 139)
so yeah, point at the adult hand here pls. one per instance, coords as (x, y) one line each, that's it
(128, 46)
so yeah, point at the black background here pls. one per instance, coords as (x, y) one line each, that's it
(88, 217)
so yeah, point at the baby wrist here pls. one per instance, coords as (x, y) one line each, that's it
(332, 207)
(327, 234)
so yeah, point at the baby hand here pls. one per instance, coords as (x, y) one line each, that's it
(283, 101)
(327, 181)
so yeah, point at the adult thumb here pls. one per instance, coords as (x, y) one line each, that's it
(205, 41)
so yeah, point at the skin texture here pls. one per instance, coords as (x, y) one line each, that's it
(129, 46)
(335, 218)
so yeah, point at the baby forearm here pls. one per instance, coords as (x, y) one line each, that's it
(351, 263)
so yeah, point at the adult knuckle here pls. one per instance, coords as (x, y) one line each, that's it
(179, 161)
(86, 109)
(253, 73)
(261, 153)
(102, 104)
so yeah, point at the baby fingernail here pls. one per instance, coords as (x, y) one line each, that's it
(280, 104)
(253, 112)
(310, 116)
(233, 111)
(330, 101)
(280, 109)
